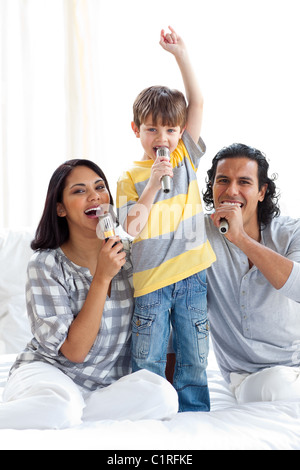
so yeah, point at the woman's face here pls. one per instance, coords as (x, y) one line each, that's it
(84, 193)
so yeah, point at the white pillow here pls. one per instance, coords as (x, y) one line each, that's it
(15, 253)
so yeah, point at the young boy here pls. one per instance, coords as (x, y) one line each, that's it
(170, 250)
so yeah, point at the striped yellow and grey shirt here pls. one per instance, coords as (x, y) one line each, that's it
(173, 244)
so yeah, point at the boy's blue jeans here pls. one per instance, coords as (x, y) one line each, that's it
(185, 304)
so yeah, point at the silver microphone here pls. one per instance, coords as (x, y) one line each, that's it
(224, 227)
(166, 180)
(105, 228)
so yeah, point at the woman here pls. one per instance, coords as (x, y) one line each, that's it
(80, 304)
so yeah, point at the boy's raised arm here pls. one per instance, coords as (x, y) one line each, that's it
(173, 43)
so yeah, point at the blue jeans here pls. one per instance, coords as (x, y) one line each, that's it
(184, 305)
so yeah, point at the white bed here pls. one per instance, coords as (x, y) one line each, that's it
(262, 426)
(229, 426)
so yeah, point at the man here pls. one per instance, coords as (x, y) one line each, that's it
(254, 286)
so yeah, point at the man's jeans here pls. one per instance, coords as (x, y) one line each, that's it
(185, 303)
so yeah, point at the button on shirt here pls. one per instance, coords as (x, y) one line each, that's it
(253, 325)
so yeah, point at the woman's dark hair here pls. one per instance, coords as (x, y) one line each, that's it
(53, 230)
(268, 208)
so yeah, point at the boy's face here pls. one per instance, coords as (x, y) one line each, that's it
(155, 136)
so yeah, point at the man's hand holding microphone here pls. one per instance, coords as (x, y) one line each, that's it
(228, 219)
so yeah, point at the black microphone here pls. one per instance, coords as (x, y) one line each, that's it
(166, 180)
(224, 226)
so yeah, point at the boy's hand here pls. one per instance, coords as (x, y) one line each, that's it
(171, 42)
(139, 213)
(160, 168)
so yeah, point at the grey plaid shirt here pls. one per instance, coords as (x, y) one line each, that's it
(56, 291)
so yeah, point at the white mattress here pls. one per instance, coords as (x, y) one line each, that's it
(269, 425)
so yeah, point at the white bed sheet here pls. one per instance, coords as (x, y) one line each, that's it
(265, 426)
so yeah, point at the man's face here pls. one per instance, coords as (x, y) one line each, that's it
(236, 182)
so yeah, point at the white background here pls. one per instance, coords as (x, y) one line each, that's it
(70, 71)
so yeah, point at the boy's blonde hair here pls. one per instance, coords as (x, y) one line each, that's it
(163, 104)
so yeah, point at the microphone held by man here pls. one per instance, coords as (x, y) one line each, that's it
(224, 226)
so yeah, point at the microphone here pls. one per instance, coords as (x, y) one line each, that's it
(105, 227)
(166, 180)
(224, 226)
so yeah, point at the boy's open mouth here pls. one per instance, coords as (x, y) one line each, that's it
(159, 147)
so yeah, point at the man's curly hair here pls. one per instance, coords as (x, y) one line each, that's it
(268, 208)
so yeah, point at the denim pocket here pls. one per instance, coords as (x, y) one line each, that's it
(148, 301)
(197, 294)
(202, 331)
(141, 334)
